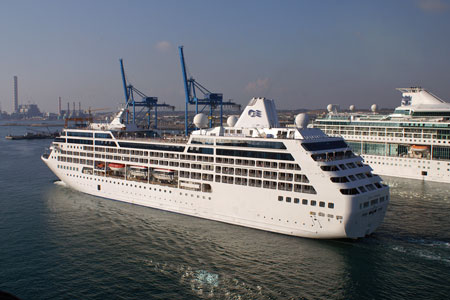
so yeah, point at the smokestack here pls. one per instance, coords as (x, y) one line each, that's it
(68, 108)
(59, 106)
(16, 95)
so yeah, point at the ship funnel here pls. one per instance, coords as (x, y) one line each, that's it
(259, 113)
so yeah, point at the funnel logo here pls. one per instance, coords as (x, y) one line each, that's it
(254, 113)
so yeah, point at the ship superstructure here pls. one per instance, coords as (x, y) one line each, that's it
(412, 142)
(295, 181)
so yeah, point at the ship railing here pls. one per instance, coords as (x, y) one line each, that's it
(325, 157)
(165, 139)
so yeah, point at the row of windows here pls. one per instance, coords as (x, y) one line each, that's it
(171, 148)
(105, 143)
(255, 154)
(343, 179)
(371, 125)
(67, 168)
(327, 145)
(102, 135)
(237, 161)
(333, 156)
(373, 202)
(283, 186)
(305, 202)
(80, 134)
(343, 167)
(261, 173)
(203, 141)
(78, 141)
(362, 189)
(201, 150)
(251, 144)
(75, 160)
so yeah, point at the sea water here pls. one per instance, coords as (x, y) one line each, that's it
(57, 243)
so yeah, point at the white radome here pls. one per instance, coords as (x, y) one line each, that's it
(351, 107)
(330, 107)
(231, 121)
(301, 120)
(374, 108)
(201, 120)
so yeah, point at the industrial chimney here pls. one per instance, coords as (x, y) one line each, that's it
(16, 95)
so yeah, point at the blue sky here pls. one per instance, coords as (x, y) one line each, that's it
(303, 54)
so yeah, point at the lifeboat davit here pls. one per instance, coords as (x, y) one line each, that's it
(116, 167)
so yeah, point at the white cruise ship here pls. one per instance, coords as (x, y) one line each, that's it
(294, 181)
(412, 142)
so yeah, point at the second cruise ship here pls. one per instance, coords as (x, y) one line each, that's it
(412, 142)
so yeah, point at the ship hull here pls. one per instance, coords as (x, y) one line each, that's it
(404, 167)
(255, 208)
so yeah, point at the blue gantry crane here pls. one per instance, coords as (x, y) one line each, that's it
(211, 100)
(140, 108)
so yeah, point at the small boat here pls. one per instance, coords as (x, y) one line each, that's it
(139, 167)
(116, 166)
(31, 136)
(419, 148)
(138, 171)
(163, 174)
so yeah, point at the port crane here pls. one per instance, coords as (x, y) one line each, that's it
(211, 100)
(140, 108)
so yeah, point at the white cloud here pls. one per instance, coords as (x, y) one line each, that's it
(433, 5)
(259, 86)
(163, 46)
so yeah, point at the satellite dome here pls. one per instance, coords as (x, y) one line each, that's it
(374, 108)
(301, 120)
(330, 107)
(231, 121)
(351, 107)
(201, 120)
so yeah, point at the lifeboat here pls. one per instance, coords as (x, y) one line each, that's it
(163, 174)
(116, 167)
(143, 168)
(100, 166)
(138, 171)
(419, 148)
